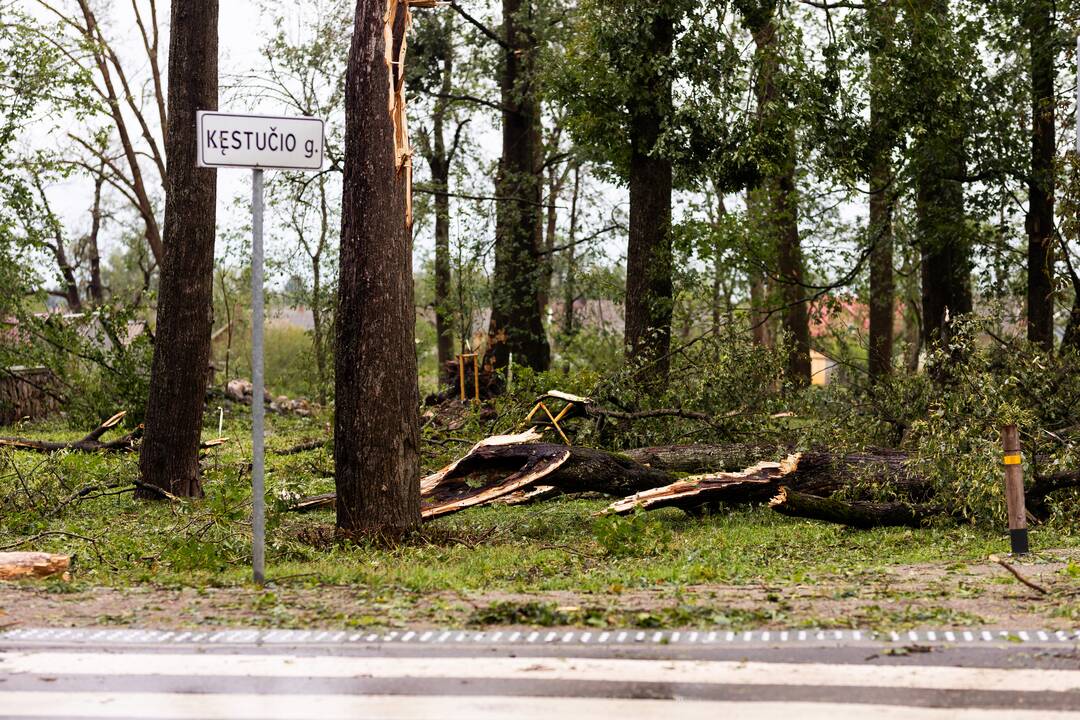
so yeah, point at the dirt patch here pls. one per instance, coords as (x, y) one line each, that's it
(978, 595)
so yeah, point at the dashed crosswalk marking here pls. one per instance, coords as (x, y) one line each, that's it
(308, 637)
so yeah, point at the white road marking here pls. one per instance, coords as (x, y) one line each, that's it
(161, 706)
(567, 668)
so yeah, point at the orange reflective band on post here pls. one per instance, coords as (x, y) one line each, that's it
(1013, 459)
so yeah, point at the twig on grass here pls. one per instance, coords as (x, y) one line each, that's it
(47, 533)
(572, 550)
(1021, 578)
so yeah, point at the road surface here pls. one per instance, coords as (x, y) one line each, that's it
(540, 674)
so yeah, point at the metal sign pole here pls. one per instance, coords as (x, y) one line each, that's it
(257, 142)
(258, 410)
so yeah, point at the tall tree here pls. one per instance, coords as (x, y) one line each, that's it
(649, 288)
(376, 433)
(1041, 28)
(778, 170)
(516, 322)
(169, 458)
(939, 166)
(433, 72)
(880, 21)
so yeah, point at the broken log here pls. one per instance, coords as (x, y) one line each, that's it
(857, 513)
(813, 473)
(693, 492)
(21, 565)
(91, 442)
(514, 469)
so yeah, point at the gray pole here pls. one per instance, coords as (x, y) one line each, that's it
(258, 518)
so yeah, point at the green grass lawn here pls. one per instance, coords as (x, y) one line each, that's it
(552, 547)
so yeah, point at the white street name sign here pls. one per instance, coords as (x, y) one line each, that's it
(229, 140)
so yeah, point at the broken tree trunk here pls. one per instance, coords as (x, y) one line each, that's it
(857, 514)
(90, 443)
(20, 565)
(814, 473)
(514, 467)
(694, 492)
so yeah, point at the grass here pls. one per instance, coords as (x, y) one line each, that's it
(501, 555)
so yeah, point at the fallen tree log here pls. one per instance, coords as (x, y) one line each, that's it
(21, 565)
(857, 513)
(514, 469)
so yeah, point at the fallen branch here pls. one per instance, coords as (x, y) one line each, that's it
(302, 447)
(47, 533)
(91, 442)
(1016, 574)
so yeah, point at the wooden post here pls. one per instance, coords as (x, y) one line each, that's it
(461, 375)
(1014, 489)
(476, 377)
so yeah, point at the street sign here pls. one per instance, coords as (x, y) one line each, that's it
(229, 140)
(258, 142)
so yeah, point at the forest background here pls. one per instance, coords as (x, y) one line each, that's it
(661, 205)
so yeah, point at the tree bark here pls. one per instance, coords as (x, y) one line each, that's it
(94, 289)
(516, 323)
(857, 514)
(169, 458)
(376, 433)
(1039, 20)
(439, 163)
(649, 288)
(939, 164)
(569, 284)
(779, 185)
(882, 141)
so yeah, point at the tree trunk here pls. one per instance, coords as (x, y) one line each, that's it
(95, 289)
(882, 194)
(783, 203)
(1039, 19)
(554, 189)
(516, 323)
(939, 164)
(169, 458)
(318, 306)
(569, 292)
(439, 163)
(649, 289)
(376, 433)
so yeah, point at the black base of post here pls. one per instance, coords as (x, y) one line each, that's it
(1019, 540)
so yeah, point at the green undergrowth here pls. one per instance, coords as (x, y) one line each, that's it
(557, 545)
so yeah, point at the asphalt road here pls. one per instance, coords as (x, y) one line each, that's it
(527, 674)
